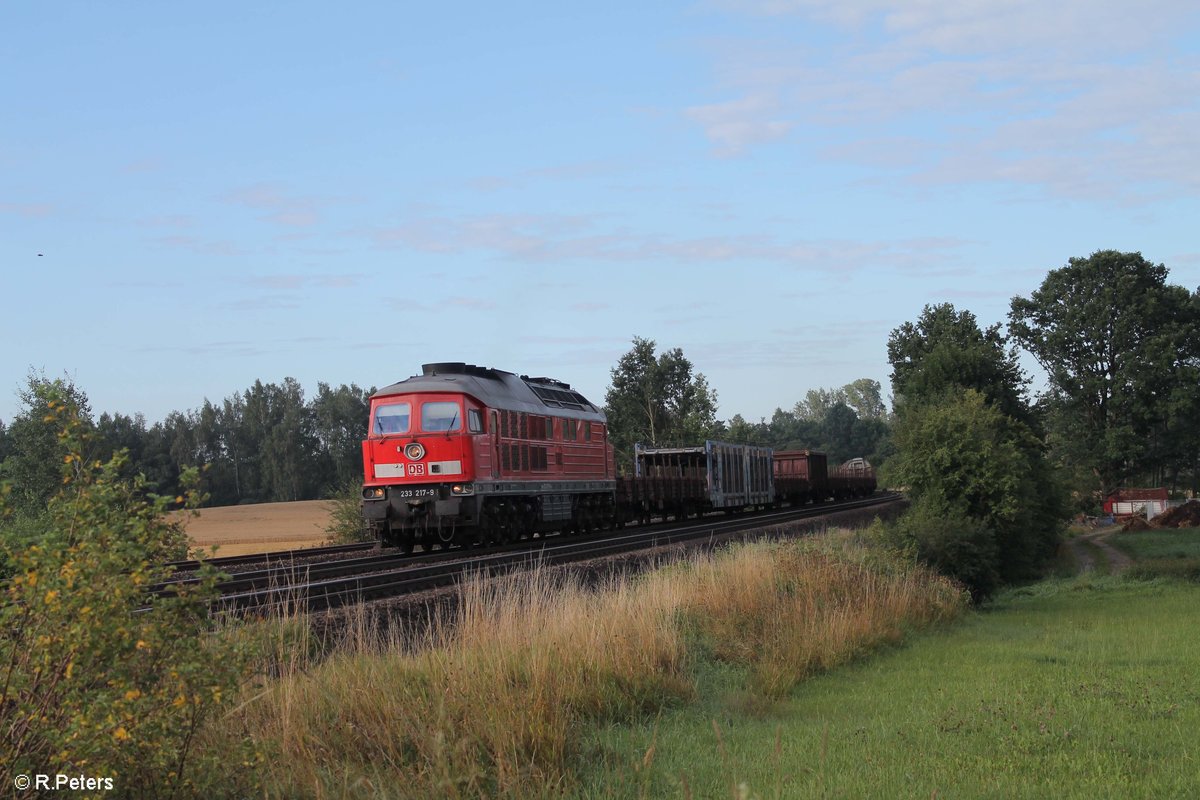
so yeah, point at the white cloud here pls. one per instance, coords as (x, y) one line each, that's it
(1078, 99)
(734, 125)
(540, 239)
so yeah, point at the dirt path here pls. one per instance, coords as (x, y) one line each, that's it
(1081, 546)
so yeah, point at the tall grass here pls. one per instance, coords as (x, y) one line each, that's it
(788, 611)
(492, 698)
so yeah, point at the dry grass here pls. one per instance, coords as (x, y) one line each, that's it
(787, 611)
(493, 702)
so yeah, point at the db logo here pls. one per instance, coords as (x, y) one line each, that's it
(416, 469)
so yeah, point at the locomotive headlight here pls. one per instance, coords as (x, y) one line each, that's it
(374, 493)
(414, 451)
(462, 489)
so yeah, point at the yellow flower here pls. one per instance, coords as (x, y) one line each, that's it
(132, 694)
(121, 733)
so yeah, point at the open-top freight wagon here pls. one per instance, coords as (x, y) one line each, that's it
(803, 476)
(687, 481)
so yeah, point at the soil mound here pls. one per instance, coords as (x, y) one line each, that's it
(1184, 516)
(1136, 524)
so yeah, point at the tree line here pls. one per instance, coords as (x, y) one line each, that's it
(1119, 344)
(266, 443)
(659, 400)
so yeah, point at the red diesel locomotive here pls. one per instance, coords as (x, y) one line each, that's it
(470, 454)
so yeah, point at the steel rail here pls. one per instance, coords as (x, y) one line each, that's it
(277, 555)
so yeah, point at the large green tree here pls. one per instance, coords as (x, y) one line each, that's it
(340, 424)
(963, 458)
(1121, 349)
(658, 399)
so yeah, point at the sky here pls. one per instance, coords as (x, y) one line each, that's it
(197, 196)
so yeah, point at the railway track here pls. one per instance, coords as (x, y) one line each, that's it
(317, 587)
(278, 556)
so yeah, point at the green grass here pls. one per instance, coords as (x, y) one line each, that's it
(1162, 553)
(1069, 688)
(1182, 543)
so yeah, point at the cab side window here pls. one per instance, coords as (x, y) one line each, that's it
(474, 420)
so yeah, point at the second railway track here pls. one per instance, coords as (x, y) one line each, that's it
(317, 587)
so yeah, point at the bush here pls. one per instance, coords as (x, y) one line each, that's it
(346, 524)
(955, 545)
(101, 678)
(979, 475)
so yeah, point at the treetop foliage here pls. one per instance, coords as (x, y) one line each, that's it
(266, 443)
(658, 400)
(946, 350)
(1121, 348)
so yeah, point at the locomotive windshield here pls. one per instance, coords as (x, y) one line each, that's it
(441, 416)
(392, 418)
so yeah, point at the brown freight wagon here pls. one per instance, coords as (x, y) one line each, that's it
(803, 476)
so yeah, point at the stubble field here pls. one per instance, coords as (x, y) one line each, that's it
(260, 528)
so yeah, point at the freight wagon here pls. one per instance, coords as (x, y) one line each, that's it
(687, 481)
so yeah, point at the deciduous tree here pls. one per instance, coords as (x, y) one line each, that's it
(36, 450)
(945, 350)
(962, 458)
(658, 399)
(1121, 349)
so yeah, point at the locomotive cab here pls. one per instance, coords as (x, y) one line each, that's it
(419, 462)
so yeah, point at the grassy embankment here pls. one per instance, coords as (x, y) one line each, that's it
(506, 701)
(1082, 687)
(711, 679)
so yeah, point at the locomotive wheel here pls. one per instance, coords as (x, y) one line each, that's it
(401, 539)
(528, 521)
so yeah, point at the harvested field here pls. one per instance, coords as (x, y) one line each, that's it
(260, 528)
